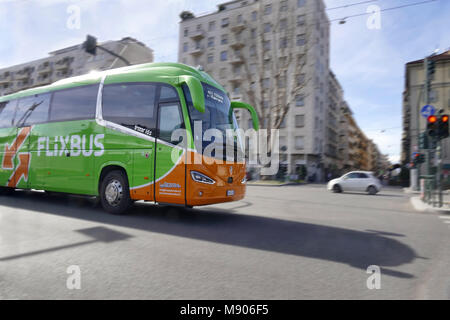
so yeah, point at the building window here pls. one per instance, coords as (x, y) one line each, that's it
(283, 124)
(225, 22)
(253, 68)
(186, 32)
(299, 143)
(267, 45)
(237, 70)
(283, 43)
(266, 83)
(267, 27)
(283, 142)
(282, 82)
(253, 51)
(254, 16)
(299, 121)
(284, 5)
(299, 100)
(268, 9)
(239, 19)
(301, 3)
(223, 56)
(212, 26)
(301, 79)
(283, 24)
(210, 58)
(301, 41)
(211, 42)
(301, 20)
(185, 47)
(253, 33)
(224, 39)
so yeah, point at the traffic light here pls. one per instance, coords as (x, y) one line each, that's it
(432, 126)
(90, 45)
(418, 159)
(443, 127)
(431, 68)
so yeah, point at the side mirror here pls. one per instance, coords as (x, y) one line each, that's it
(242, 105)
(196, 89)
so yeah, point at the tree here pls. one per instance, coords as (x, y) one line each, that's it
(274, 48)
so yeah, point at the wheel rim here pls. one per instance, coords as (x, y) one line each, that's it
(114, 193)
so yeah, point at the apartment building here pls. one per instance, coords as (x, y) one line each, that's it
(69, 62)
(414, 100)
(274, 55)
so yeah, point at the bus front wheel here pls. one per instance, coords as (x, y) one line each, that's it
(115, 193)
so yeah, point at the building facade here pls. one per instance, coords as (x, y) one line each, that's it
(414, 100)
(274, 55)
(71, 61)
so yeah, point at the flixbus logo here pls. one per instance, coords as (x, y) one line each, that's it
(73, 146)
(24, 158)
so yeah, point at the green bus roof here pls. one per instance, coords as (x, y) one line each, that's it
(157, 72)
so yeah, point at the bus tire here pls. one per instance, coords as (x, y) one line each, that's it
(115, 193)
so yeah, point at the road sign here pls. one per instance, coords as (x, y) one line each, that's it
(427, 111)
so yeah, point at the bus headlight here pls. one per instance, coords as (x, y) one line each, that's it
(200, 177)
(244, 181)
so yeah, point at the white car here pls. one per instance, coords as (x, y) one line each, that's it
(362, 181)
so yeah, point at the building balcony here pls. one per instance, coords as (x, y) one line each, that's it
(42, 79)
(239, 27)
(4, 79)
(197, 51)
(237, 61)
(63, 63)
(22, 75)
(44, 68)
(237, 44)
(198, 35)
(236, 78)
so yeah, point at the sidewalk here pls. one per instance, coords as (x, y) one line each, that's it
(421, 206)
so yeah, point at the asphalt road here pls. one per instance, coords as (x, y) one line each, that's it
(297, 242)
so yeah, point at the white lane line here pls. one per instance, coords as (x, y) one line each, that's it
(444, 217)
(447, 222)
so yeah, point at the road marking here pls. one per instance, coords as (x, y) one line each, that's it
(444, 217)
(448, 222)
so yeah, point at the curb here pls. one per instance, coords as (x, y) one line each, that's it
(420, 206)
(275, 185)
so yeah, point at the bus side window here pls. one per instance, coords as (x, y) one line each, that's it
(170, 119)
(7, 112)
(32, 110)
(131, 105)
(74, 104)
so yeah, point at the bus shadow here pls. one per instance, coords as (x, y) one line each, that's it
(358, 249)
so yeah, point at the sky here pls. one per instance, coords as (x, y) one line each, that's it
(369, 63)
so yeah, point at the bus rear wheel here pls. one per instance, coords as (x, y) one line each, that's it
(115, 193)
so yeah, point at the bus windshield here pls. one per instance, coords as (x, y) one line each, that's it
(218, 115)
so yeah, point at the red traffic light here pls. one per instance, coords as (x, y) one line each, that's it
(444, 118)
(432, 119)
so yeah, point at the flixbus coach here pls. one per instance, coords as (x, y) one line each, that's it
(109, 134)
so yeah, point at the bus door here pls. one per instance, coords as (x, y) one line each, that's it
(170, 167)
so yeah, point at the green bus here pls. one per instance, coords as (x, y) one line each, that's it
(109, 134)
